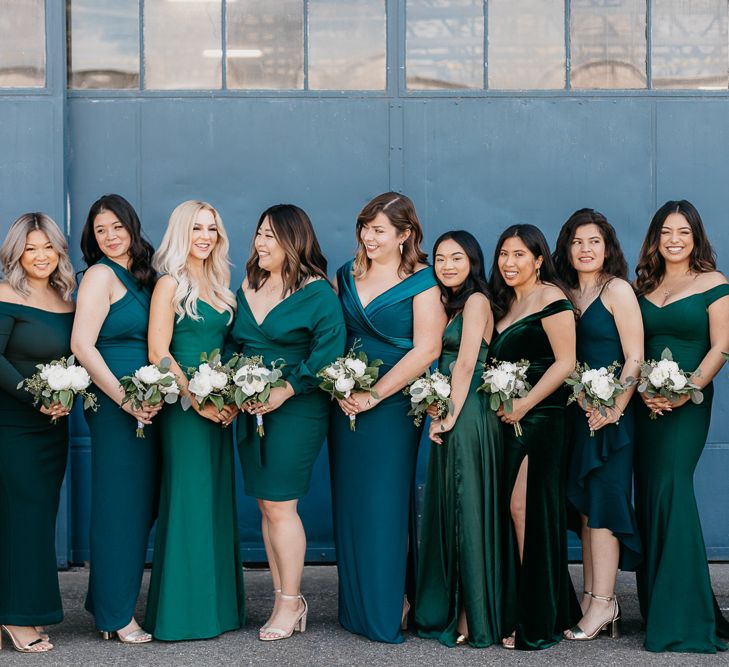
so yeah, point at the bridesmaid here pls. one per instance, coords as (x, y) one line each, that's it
(685, 306)
(287, 310)
(459, 585)
(534, 320)
(36, 314)
(109, 338)
(600, 483)
(392, 305)
(192, 311)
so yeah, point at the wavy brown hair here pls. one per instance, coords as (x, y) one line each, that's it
(294, 233)
(651, 265)
(400, 211)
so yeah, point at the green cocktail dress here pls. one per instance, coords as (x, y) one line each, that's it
(306, 330)
(461, 544)
(124, 483)
(33, 455)
(674, 588)
(373, 468)
(196, 590)
(540, 601)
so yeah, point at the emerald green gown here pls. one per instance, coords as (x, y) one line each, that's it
(540, 601)
(124, 482)
(373, 468)
(306, 331)
(33, 455)
(196, 590)
(461, 544)
(674, 588)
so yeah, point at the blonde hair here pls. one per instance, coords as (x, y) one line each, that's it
(62, 279)
(171, 259)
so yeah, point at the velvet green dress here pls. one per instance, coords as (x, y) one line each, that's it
(674, 588)
(306, 331)
(124, 482)
(461, 544)
(540, 602)
(373, 468)
(33, 454)
(196, 590)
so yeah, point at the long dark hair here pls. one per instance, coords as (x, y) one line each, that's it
(140, 250)
(503, 295)
(614, 265)
(295, 234)
(651, 265)
(455, 300)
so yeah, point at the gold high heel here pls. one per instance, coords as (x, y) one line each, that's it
(138, 636)
(264, 627)
(39, 645)
(299, 624)
(612, 625)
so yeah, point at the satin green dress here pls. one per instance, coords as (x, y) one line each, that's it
(33, 454)
(540, 602)
(461, 544)
(373, 469)
(674, 588)
(305, 330)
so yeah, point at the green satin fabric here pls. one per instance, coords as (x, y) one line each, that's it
(674, 587)
(461, 545)
(540, 601)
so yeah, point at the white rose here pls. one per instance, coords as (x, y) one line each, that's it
(678, 380)
(658, 376)
(205, 369)
(258, 385)
(602, 371)
(172, 388)
(602, 388)
(344, 384)
(200, 385)
(334, 372)
(58, 378)
(502, 380)
(357, 366)
(508, 367)
(419, 390)
(218, 379)
(148, 374)
(668, 366)
(442, 388)
(588, 376)
(45, 370)
(80, 379)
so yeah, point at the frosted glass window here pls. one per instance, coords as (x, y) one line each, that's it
(265, 44)
(22, 44)
(182, 44)
(347, 44)
(445, 44)
(103, 44)
(526, 44)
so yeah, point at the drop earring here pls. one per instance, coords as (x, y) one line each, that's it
(538, 276)
(401, 248)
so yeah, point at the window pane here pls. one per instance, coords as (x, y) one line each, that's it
(690, 44)
(265, 44)
(444, 43)
(182, 44)
(103, 44)
(22, 44)
(526, 44)
(347, 44)
(608, 44)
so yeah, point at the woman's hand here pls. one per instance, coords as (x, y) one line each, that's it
(278, 396)
(595, 421)
(432, 411)
(660, 404)
(142, 414)
(519, 409)
(360, 401)
(438, 427)
(54, 410)
(229, 413)
(209, 411)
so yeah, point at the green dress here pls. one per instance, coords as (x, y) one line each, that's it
(461, 544)
(373, 469)
(196, 589)
(123, 467)
(674, 588)
(540, 601)
(306, 331)
(33, 455)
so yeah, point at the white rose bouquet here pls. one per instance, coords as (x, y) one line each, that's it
(430, 389)
(150, 384)
(212, 381)
(665, 378)
(253, 381)
(350, 373)
(505, 381)
(60, 381)
(596, 388)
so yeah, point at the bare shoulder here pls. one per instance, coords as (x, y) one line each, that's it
(550, 294)
(477, 303)
(8, 294)
(618, 288)
(166, 284)
(710, 279)
(96, 274)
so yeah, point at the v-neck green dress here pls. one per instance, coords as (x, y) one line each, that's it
(307, 331)
(33, 454)
(540, 601)
(461, 543)
(196, 590)
(674, 588)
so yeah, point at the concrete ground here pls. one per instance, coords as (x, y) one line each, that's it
(326, 644)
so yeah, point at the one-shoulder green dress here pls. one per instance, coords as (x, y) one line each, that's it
(196, 590)
(123, 467)
(461, 544)
(306, 331)
(373, 468)
(33, 454)
(540, 602)
(674, 588)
